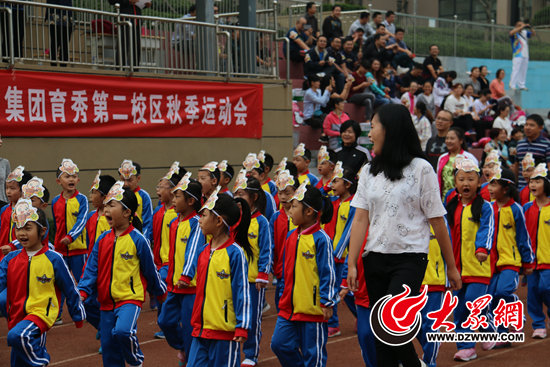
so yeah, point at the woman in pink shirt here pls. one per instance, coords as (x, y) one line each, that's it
(331, 125)
(497, 85)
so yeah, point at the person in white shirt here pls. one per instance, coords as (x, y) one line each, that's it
(408, 99)
(520, 54)
(363, 23)
(397, 199)
(503, 120)
(484, 110)
(458, 106)
(314, 99)
(422, 124)
(441, 88)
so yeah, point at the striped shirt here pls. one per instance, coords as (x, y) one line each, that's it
(540, 148)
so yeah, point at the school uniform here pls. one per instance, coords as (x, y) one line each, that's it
(511, 249)
(484, 192)
(537, 221)
(69, 218)
(222, 307)
(120, 269)
(342, 230)
(270, 207)
(145, 212)
(258, 271)
(309, 177)
(270, 187)
(279, 225)
(525, 195)
(436, 280)
(162, 218)
(7, 226)
(33, 285)
(309, 282)
(469, 238)
(186, 242)
(325, 189)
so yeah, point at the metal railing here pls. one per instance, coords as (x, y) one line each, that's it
(71, 36)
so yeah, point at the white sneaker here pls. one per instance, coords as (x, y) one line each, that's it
(402, 70)
(266, 308)
(539, 334)
(247, 362)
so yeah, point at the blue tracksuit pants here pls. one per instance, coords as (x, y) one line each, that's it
(538, 293)
(28, 345)
(214, 353)
(119, 341)
(299, 343)
(366, 336)
(175, 320)
(435, 299)
(251, 347)
(468, 293)
(504, 285)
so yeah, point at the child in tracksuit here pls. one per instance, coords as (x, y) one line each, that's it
(120, 269)
(280, 224)
(34, 276)
(95, 226)
(259, 266)
(221, 313)
(326, 161)
(537, 219)
(310, 289)
(162, 217)
(344, 185)
(435, 279)
(209, 177)
(226, 175)
(14, 183)
(130, 173)
(471, 228)
(527, 165)
(511, 247)
(267, 183)
(186, 242)
(302, 159)
(255, 168)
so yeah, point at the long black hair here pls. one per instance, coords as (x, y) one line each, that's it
(351, 177)
(508, 182)
(194, 191)
(253, 188)
(238, 218)
(129, 200)
(316, 201)
(401, 143)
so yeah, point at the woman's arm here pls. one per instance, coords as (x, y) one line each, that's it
(358, 231)
(442, 236)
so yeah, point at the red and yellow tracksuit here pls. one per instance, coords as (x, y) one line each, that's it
(186, 242)
(7, 227)
(525, 195)
(162, 218)
(259, 268)
(34, 285)
(537, 221)
(469, 238)
(279, 225)
(309, 177)
(120, 269)
(95, 226)
(145, 212)
(70, 217)
(310, 284)
(270, 187)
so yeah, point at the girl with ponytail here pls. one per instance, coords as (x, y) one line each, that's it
(309, 291)
(119, 270)
(221, 312)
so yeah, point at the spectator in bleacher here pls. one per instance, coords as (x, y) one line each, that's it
(409, 99)
(351, 61)
(432, 64)
(390, 81)
(422, 124)
(344, 93)
(517, 136)
(474, 81)
(317, 62)
(378, 49)
(354, 155)
(468, 94)
(520, 52)
(358, 43)
(298, 39)
(363, 23)
(458, 106)
(61, 28)
(183, 40)
(442, 87)
(380, 29)
(498, 142)
(403, 57)
(332, 25)
(497, 85)
(502, 121)
(484, 110)
(314, 99)
(413, 75)
(436, 146)
(483, 81)
(333, 121)
(375, 75)
(129, 7)
(311, 18)
(18, 23)
(427, 98)
(389, 22)
(335, 56)
(376, 20)
(533, 143)
(456, 144)
(360, 93)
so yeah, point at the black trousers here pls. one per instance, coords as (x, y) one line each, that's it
(59, 42)
(385, 274)
(125, 38)
(18, 20)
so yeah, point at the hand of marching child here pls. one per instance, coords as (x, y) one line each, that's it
(181, 284)
(239, 339)
(65, 241)
(481, 256)
(343, 292)
(327, 313)
(528, 271)
(260, 285)
(5, 249)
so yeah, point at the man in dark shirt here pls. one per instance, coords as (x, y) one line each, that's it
(378, 50)
(311, 11)
(415, 75)
(335, 56)
(298, 39)
(436, 144)
(432, 64)
(332, 25)
(534, 143)
(350, 57)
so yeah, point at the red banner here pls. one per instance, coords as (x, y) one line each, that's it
(41, 104)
